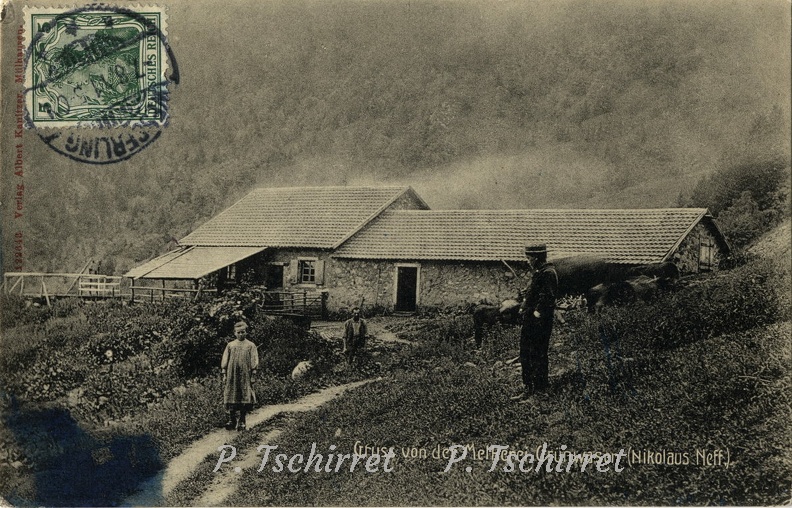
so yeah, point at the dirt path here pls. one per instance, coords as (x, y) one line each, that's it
(225, 483)
(154, 491)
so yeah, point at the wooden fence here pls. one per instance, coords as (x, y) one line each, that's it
(100, 287)
(53, 285)
(153, 293)
(306, 303)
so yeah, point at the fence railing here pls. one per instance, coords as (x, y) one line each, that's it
(151, 293)
(96, 287)
(307, 303)
(99, 286)
(50, 285)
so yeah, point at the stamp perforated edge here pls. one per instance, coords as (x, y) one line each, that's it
(30, 9)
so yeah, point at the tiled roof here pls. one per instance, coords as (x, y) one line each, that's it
(319, 217)
(191, 262)
(622, 236)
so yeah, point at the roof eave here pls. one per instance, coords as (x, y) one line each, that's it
(704, 213)
(718, 233)
(184, 250)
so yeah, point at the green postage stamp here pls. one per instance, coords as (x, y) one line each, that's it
(96, 66)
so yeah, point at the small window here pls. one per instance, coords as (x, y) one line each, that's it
(231, 273)
(307, 270)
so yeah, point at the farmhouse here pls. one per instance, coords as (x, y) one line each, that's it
(384, 248)
(278, 238)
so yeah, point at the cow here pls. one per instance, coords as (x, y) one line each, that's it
(622, 292)
(665, 273)
(488, 316)
(608, 283)
(602, 282)
(577, 274)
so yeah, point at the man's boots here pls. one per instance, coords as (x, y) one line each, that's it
(527, 392)
(241, 425)
(232, 421)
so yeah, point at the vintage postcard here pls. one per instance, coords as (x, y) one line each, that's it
(395, 253)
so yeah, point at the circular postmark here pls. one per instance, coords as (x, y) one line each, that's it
(96, 80)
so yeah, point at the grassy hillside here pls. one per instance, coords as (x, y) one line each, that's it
(114, 392)
(614, 386)
(776, 245)
(511, 104)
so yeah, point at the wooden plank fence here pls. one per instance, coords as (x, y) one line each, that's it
(153, 293)
(51, 285)
(313, 303)
(101, 287)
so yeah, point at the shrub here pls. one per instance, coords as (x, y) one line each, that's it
(723, 302)
(748, 198)
(65, 307)
(282, 345)
(744, 221)
(762, 178)
(15, 311)
(196, 352)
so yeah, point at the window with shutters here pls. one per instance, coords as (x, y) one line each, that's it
(707, 254)
(307, 271)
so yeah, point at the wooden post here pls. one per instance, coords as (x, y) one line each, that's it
(22, 286)
(510, 269)
(44, 290)
(305, 301)
(72, 285)
(15, 284)
(152, 295)
(163, 290)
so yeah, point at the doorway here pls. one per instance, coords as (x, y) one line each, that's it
(273, 280)
(273, 277)
(406, 288)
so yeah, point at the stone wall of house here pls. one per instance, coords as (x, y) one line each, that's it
(441, 284)
(288, 259)
(352, 282)
(460, 283)
(687, 256)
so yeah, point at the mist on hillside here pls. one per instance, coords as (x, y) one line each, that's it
(475, 104)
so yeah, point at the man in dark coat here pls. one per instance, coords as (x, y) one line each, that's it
(537, 313)
(355, 332)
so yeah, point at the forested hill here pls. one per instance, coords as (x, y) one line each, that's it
(493, 104)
